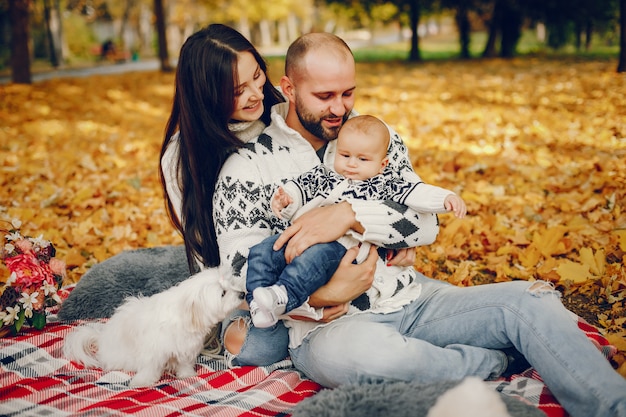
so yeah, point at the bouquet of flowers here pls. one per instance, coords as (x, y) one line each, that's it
(35, 276)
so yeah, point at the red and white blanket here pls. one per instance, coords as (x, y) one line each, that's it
(36, 380)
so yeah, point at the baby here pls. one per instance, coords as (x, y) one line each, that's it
(360, 172)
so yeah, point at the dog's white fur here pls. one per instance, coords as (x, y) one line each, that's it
(471, 398)
(152, 335)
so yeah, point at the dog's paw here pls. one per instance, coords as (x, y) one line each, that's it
(144, 379)
(185, 371)
(139, 383)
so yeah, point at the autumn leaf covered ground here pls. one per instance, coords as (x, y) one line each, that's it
(536, 147)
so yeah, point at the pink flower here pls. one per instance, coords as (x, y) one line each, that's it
(29, 270)
(24, 245)
(57, 267)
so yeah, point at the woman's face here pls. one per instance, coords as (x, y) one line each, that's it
(249, 92)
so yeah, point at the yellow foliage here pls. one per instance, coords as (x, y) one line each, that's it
(536, 148)
(573, 271)
(596, 262)
(550, 242)
(621, 235)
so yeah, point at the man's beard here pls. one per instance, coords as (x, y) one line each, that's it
(314, 125)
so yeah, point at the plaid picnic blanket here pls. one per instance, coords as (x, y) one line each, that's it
(36, 380)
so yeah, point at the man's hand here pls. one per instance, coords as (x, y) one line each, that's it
(348, 282)
(320, 225)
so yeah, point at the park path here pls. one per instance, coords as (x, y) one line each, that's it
(153, 64)
(103, 69)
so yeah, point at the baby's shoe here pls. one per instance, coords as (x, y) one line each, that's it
(260, 318)
(271, 302)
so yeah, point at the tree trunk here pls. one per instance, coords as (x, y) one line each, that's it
(414, 12)
(244, 27)
(588, 34)
(55, 32)
(20, 54)
(292, 28)
(145, 29)
(492, 38)
(511, 29)
(282, 32)
(130, 5)
(621, 66)
(164, 56)
(265, 33)
(578, 36)
(463, 25)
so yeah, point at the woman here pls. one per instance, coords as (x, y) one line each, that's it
(222, 99)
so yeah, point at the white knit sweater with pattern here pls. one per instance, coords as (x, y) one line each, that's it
(243, 215)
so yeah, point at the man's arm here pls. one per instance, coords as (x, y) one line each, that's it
(318, 225)
(383, 223)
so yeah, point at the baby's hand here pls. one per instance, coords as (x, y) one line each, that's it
(456, 204)
(280, 200)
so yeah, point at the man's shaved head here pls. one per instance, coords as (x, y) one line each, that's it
(295, 60)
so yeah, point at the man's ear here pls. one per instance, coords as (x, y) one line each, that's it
(286, 86)
(383, 165)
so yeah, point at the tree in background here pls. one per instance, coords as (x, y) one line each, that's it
(415, 12)
(504, 25)
(463, 25)
(159, 28)
(621, 66)
(164, 57)
(54, 31)
(20, 52)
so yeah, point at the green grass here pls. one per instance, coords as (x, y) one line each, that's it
(432, 48)
(447, 47)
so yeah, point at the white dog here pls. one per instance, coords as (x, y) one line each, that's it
(151, 335)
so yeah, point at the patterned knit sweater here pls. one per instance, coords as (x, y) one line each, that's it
(243, 215)
(245, 131)
(322, 186)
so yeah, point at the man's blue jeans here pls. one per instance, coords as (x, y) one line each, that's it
(449, 333)
(302, 277)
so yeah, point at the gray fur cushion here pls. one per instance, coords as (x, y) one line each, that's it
(105, 286)
(397, 399)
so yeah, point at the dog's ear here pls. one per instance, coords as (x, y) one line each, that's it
(205, 306)
(196, 314)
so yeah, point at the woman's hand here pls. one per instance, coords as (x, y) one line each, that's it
(319, 225)
(348, 282)
(401, 257)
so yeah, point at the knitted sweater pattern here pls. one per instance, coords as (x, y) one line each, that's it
(322, 186)
(243, 215)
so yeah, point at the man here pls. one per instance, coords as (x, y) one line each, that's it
(423, 330)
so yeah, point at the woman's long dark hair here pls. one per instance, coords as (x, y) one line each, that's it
(204, 100)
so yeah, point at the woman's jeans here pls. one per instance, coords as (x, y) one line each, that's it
(261, 347)
(449, 333)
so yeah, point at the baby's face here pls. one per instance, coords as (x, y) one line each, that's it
(360, 156)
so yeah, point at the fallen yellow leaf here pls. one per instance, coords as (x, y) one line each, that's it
(573, 271)
(596, 262)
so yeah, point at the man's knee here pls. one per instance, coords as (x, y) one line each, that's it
(541, 288)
